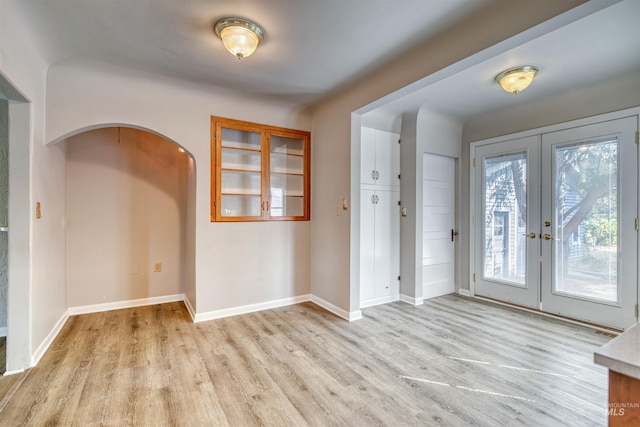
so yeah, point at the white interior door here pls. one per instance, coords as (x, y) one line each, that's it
(507, 221)
(438, 219)
(589, 209)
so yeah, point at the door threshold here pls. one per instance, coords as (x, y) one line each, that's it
(604, 330)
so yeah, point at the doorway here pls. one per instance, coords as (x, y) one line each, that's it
(555, 224)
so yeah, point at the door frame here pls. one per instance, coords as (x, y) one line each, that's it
(630, 112)
(19, 322)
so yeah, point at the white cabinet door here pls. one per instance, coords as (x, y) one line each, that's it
(367, 245)
(379, 247)
(367, 156)
(387, 243)
(379, 159)
(387, 159)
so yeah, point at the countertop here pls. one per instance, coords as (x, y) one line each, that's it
(622, 354)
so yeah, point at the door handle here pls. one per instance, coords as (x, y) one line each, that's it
(531, 235)
(548, 236)
(4, 229)
(453, 234)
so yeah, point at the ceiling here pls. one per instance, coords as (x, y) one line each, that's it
(310, 47)
(313, 47)
(599, 47)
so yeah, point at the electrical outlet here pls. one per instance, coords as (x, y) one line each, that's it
(157, 268)
(337, 210)
(38, 211)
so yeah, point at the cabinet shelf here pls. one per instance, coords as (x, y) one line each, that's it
(240, 168)
(230, 147)
(297, 173)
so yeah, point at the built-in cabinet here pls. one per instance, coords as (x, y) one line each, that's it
(379, 217)
(259, 172)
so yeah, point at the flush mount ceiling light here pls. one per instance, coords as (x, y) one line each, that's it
(517, 79)
(239, 36)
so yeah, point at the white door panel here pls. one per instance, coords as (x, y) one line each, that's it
(590, 199)
(367, 156)
(507, 261)
(438, 220)
(367, 242)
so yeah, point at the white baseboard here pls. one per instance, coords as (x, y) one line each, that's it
(464, 292)
(44, 345)
(244, 309)
(3, 331)
(411, 300)
(17, 371)
(190, 309)
(346, 315)
(117, 305)
(381, 300)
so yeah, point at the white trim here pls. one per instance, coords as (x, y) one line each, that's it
(46, 343)
(244, 309)
(190, 309)
(381, 300)
(346, 315)
(17, 371)
(411, 300)
(3, 331)
(464, 292)
(117, 305)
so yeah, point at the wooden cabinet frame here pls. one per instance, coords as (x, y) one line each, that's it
(274, 161)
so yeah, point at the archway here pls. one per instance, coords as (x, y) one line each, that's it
(130, 207)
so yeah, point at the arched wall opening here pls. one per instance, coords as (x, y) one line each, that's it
(130, 219)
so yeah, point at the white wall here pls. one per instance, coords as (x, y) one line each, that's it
(126, 210)
(236, 263)
(333, 130)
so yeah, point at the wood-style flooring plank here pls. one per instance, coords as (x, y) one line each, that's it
(453, 361)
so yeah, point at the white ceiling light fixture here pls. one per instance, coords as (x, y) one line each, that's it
(517, 79)
(239, 36)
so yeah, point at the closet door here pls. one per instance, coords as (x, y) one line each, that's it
(367, 245)
(387, 159)
(368, 156)
(387, 243)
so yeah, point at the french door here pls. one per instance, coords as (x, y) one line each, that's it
(556, 222)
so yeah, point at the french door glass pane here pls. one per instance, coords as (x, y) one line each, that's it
(586, 220)
(505, 221)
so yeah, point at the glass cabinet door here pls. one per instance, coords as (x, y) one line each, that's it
(286, 176)
(240, 173)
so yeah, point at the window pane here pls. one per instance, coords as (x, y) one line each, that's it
(504, 205)
(586, 226)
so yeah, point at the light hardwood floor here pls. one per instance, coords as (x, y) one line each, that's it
(453, 361)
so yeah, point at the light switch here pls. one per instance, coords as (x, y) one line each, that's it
(157, 268)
